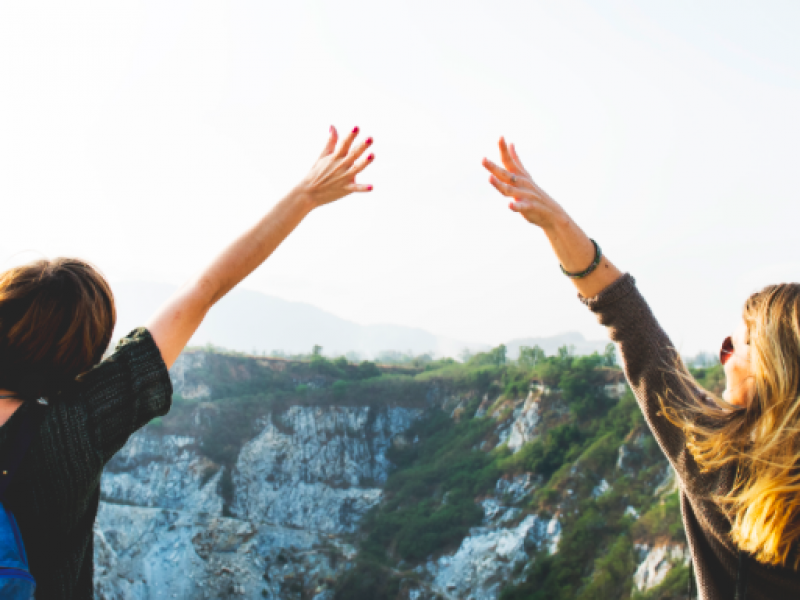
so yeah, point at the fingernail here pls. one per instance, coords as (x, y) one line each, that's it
(369, 188)
(355, 130)
(368, 142)
(331, 129)
(370, 157)
(511, 206)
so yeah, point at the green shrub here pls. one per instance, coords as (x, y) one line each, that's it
(367, 581)
(339, 389)
(662, 520)
(674, 587)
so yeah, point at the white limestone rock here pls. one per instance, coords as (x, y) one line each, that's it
(632, 512)
(669, 484)
(324, 473)
(516, 489)
(600, 489)
(525, 427)
(485, 560)
(296, 488)
(164, 472)
(152, 552)
(656, 563)
(183, 385)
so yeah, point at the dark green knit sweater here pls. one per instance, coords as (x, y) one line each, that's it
(56, 491)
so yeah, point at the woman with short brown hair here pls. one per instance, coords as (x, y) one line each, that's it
(737, 457)
(56, 321)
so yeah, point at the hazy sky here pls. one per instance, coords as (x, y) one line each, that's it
(144, 135)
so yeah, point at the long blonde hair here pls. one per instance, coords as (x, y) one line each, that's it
(763, 440)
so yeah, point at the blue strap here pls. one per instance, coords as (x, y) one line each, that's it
(29, 422)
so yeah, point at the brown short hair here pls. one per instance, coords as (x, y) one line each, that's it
(56, 321)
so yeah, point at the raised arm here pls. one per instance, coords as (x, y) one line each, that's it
(572, 246)
(332, 177)
(652, 366)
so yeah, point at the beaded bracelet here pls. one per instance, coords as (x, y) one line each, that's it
(598, 254)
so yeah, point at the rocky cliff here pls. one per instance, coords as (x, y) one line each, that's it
(256, 487)
(296, 489)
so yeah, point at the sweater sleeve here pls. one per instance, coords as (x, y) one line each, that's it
(651, 365)
(125, 392)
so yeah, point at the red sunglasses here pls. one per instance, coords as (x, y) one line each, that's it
(726, 351)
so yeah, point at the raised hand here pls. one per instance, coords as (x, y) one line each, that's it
(528, 199)
(333, 176)
(573, 248)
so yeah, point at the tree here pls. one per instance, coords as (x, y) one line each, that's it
(528, 357)
(499, 355)
(610, 356)
(367, 370)
(565, 352)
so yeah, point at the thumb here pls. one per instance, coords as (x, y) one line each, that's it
(331, 145)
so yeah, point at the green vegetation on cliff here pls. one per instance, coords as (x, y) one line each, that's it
(431, 497)
(452, 459)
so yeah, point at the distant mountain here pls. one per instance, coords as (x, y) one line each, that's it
(551, 344)
(250, 321)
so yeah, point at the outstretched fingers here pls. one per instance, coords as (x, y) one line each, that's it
(359, 187)
(362, 164)
(344, 148)
(499, 172)
(508, 159)
(520, 181)
(515, 157)
(356, 153)
(508, 190)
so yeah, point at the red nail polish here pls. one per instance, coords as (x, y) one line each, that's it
(368, 142)
(370, 157)
(355, 130)
(369, 188)
(331, 129)
(511, 206)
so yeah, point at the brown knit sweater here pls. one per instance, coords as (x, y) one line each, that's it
(649, 360)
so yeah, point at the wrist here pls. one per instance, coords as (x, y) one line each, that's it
(558, 225)
(301, 200)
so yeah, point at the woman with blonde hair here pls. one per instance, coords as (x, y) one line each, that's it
(737, 458)
(74, 409)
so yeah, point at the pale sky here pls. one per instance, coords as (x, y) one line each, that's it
(144, 135)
